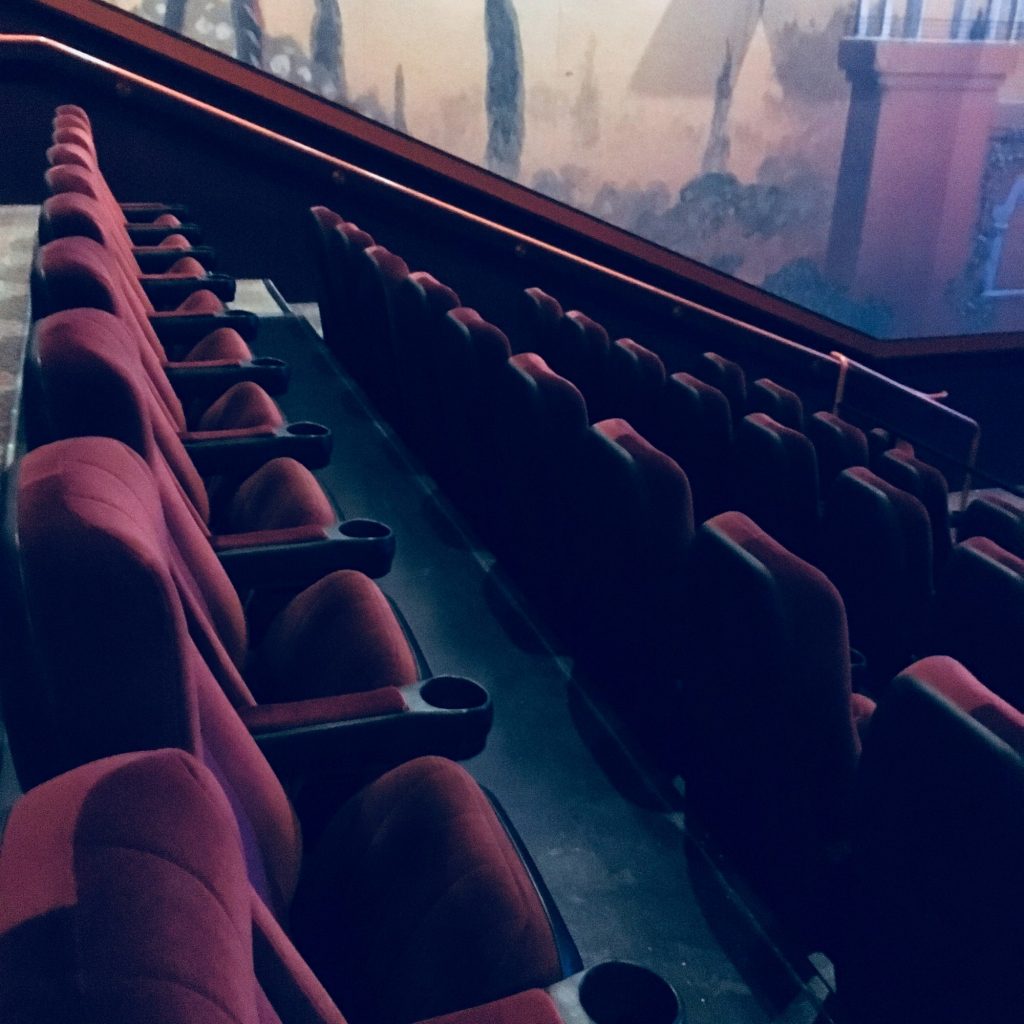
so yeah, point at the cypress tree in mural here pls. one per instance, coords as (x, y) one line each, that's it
(248, 31)
(398, 122)
(504, 88)
(174, 17)
(717, 153)
(325, 47)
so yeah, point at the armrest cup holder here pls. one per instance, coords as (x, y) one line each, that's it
(617, 992)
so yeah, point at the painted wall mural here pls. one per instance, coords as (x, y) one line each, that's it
(722, 130)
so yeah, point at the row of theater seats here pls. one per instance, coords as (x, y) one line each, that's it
(729, 651)
(523, 443)
(223, 824)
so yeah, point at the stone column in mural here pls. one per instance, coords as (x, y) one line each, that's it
(908, 196)
(248, 21)
(504, 88)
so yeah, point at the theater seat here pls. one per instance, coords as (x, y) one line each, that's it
(92, 383)
(729, 377)
(978, 615)
(694, 427)
(776, 482)
(996, 518)
(935, 932)
(784, 406)
(838, 445)
(876, 549)
(903, 469)
(131, 891)
(767, 724)
(113, 573)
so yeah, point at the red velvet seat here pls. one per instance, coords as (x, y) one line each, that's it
(729, 377)
(876, 549)
(838, 445)
(903, 469)
(76, 272)
(195, 291)
(336, 242)
(994, 517)
(978, 615)
(768, 725)
(935, 934)
(92, 382)
(131, 891)
(776, 482)
(781, 404)
(115, 587)
(694, 427)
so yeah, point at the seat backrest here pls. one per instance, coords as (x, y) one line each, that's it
(84, 354)
(335, 243)
(542, 314)
(580, 351)
(126, 656)
(776, 481)
(994, 517)
(902, 468)
(635, 379)
(694, 427)
(784, 406)
(978, 615)
(938, 844)
(767, 735)
(125, 898)
(838, 444)
(729, 377)
(876, 548)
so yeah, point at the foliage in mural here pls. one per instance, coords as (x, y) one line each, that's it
(325, 48)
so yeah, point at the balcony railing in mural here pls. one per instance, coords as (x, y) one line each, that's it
(994, 21)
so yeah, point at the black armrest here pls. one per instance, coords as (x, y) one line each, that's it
(241, 452)
(152, 259)
(206, 380)
(446, 715)
(140, 211)
(168, 292)
(154, 234)
(180, 331)
(297, 558)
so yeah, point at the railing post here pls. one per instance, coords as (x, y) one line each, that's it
(995, 11)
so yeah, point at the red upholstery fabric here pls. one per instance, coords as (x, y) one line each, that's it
(876, 548)
(76, 272)
(531, 1007)
(904, 470)
(125, 899)
(838, 444)
(978, 615)
(953, 681)
(94, 383)
(469, 903)
(694, 427)
(784, 406)
(996, 518)
(728, 376)
(769, 740)
(777, 482)
(938, 844)
(543, 315)
(337, 636)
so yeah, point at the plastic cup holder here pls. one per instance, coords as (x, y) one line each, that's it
(363, 529)
(306, 429)
(268, 361)
(623, 993)
(453, 693)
